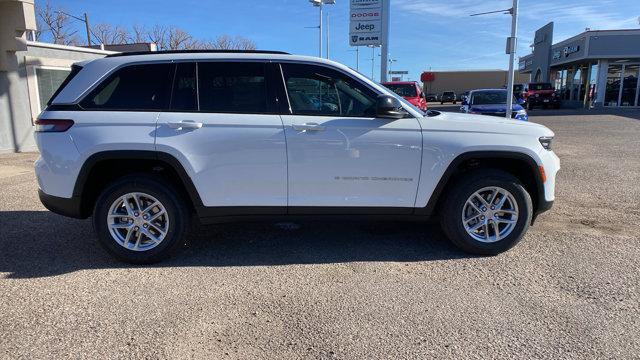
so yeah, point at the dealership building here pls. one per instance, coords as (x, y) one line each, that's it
(594, 68)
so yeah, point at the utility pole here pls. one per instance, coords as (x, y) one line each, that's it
(320, 32)
(327, 35)
(86, 24)
(358, 58)
(385, 40)
(511, 50)
(512, 45)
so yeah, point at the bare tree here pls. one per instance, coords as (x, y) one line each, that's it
(56, 23)
(108, 34)
(178, 39)
(226, 42)
(138, 34)
(158, 35)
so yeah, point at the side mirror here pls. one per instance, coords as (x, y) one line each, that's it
(389, 107)
(464, 101)
(520, 101)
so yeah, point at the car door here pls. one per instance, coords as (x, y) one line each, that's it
(223, 127)
(339, 153)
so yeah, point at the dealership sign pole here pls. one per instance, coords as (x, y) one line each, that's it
(369, 25)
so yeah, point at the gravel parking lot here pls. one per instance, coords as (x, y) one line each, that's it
(353, 291)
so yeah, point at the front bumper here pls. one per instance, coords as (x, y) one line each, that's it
(70, 207)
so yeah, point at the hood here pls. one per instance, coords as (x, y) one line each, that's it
(482, 123)
(494, 108)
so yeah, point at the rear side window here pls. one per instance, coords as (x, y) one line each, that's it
(232, 87)
(133, 88)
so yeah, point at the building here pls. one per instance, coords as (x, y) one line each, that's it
(594, 68)
(436, 82)
(31, 71)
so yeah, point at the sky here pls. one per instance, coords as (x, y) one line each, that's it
(424, 34)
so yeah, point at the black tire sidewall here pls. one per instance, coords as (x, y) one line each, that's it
(178, 219)
(452, 222)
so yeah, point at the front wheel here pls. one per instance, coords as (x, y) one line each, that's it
(140, 220)
(487, 212)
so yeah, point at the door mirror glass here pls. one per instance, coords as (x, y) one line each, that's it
(389, 107)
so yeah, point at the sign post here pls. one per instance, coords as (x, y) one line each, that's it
(369, 26)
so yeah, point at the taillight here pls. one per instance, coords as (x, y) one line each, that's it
(53, 125)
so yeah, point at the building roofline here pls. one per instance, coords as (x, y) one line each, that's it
(69, 48)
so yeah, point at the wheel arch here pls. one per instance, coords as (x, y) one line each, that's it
(103, 167)
(519, 164)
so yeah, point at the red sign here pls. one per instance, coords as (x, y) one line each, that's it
(427, 77)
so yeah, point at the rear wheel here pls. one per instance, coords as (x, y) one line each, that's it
(139, 220)
(487, 212)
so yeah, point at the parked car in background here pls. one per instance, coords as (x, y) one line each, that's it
(492, 102)
(448, 96)
(432, 97)
(518, 91)
(541, 95)
(410, 91)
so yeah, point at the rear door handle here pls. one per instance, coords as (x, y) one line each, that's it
(309, 127)
(185, 124)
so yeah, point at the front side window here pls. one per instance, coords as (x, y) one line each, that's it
(319, 91)
(232, 87)
(133, 88)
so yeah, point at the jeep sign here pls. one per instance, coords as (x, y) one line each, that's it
(365, 22)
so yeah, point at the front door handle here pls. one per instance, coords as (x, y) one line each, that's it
(185, 124)
(309, 127)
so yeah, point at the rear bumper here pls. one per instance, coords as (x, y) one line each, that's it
(70, 207)
(541, 101)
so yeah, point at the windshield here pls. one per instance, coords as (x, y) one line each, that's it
(542, 86)
(408, 90)
(447, 93)
(488, 97)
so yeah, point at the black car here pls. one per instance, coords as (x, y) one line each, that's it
(448, 96)
(432, 97)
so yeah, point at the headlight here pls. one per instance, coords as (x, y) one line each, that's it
(521, 112)
(545, 141)
(536, 95)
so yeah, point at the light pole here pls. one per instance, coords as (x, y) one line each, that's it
(373, 61)
(511, 50)
(357, 51)
(319, 4)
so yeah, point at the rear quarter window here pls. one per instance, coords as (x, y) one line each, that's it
(132, 88)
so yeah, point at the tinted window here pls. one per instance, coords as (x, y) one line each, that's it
(184, 96)
(316, 90)
(407, 90)
(232, 87)
(136, 87)
(540, 86)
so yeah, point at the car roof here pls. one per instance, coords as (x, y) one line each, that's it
(474, 90)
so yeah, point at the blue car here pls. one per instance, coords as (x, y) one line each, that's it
(492, 102)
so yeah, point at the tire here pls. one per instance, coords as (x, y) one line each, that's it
(441, 102)
(454, 102)
(175, 221)
(455, 205)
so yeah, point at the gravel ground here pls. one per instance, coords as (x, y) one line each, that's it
(353, 291)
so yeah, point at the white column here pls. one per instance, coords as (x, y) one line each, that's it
(384, 61)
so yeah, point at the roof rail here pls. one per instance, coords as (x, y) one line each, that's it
(198, 52)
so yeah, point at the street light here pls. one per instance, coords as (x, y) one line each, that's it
(511, 50)
(319, 4)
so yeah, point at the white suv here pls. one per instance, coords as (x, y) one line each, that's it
(143, 141)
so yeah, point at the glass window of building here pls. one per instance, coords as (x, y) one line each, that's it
(629, 85)
(48, 82)
(612, 91)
